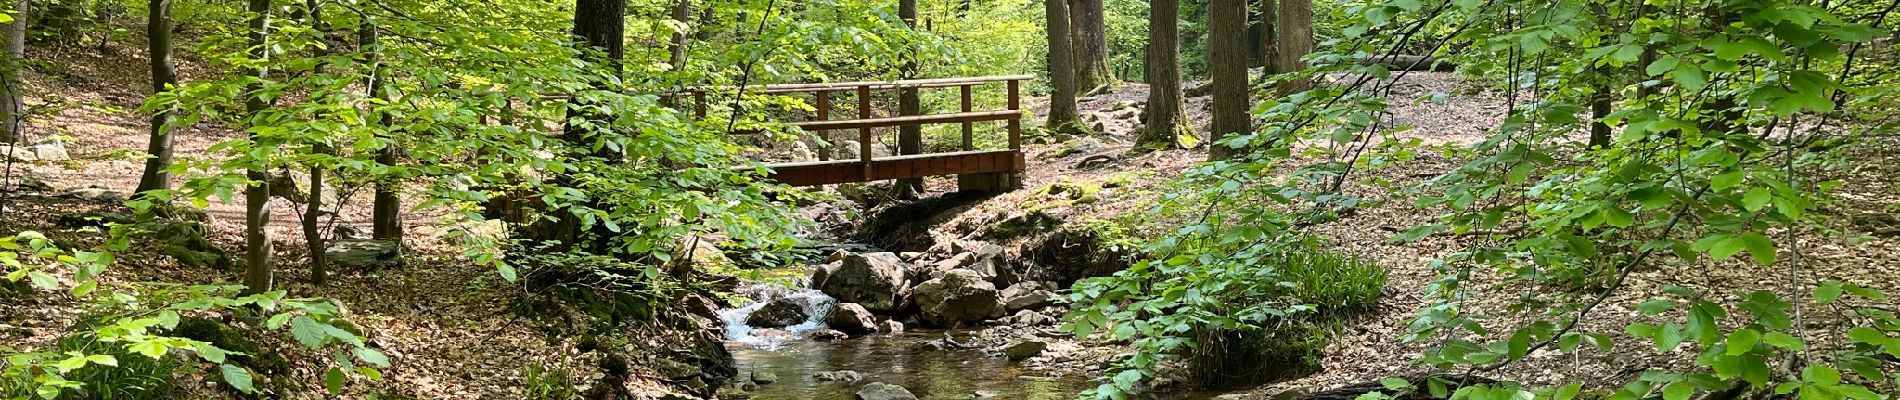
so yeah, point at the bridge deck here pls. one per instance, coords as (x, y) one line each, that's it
(989, 170)
(896, 167)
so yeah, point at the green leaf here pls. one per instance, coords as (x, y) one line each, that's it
(85, 288)
(1741, 341)
(238, 378)
(1754, 370)
(1821, 374)
(1756, 198)
(1567, 392)
(1868, 335)
(1828, 292)
(1669, 336)
(1395, 383)
(371, 356)
(277, 321)
(1654, 307)
(1679, 390)
(103, 359)
(333, 381)
(1760, 247)
(1784, 341)
(308, 331)
(71, 363)
(42, 280)
(1661, 65)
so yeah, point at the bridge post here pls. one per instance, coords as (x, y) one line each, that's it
(999, 182)
(969, 128)
(824, 136)
(864, 134)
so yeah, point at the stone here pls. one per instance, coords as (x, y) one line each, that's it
(890, 326)
(34, 184)
(19, 153)
(838, 376)
(826, 335)
(1031, 318)
(1024, 348)
(364, 254)
(884, 391)
(764, 377)
(99, 219)
(51, 150)
(185, 242)
(851, 318)
(959, 297)
(94, 194)
(676, 371)
(1035, 299)
(778, 314)
(873, 280)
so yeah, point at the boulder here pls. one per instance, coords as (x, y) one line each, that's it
(764, 377)
(1034, 299)
(1024, 349)
(99, 219)
(851, 318)
(778, 314)
(890, 326)
(960, 296)
(838, 376)
(676, 371)
(884, 391)
(94, 194)
(826, 335)
(51, 150)
(18, 153)
(1031, 318)
(873, 280)
(364, 254)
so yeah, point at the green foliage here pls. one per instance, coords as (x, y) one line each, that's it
(543, 382)
(135, 320)
(127, 376)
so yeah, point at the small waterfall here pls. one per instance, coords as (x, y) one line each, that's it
(816, 304)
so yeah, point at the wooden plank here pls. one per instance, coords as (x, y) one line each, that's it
(906, 83)
(909, 120)
(912, 166)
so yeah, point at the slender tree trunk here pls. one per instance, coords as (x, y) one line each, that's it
(1088, 22)
(1269, 51)
(1600, 108)
(158, 27)
(910, 138)
(1062, 115)
(386, 208)
(1227, 65)
(682, 14)
(258, 276)
(313, 209)
(1294, 28)
(11, 87)
(1165, 122)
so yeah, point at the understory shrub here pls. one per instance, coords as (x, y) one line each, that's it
(135, 377)
(545, 382)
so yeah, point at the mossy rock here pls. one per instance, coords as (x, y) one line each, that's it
(1028, 223)
(1080, 192)
(273, 367)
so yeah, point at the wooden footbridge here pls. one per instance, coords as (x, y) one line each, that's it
(976, 169)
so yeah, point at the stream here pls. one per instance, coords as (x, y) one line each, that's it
(899, 359)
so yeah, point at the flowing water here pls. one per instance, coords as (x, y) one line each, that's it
(895, 359)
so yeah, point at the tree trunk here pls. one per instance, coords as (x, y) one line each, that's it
(601, 26)
(1269, 51)
(158, 27)
(1165, 122)
(313, 209)
(11, 87)
(1227, 67)
(1062, 115)
(386, 208)
(1089, 26)
(1599, 109)
(1294, 28)
(682, 14)
(258, 275)
(910, 138)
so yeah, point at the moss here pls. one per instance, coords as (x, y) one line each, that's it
(1230, 359)
(273, 366)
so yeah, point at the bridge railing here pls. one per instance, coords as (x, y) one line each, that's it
(822, 124)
